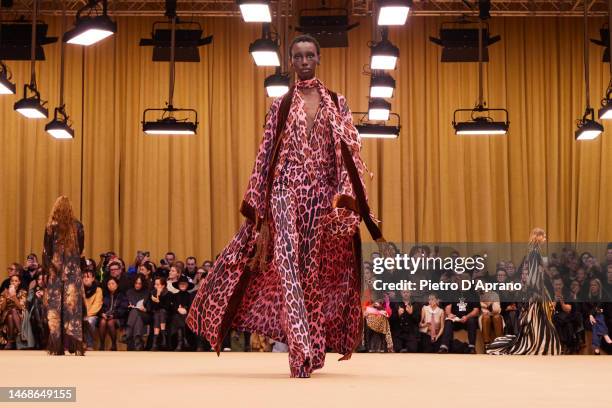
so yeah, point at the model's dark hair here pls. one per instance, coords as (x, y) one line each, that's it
(305, 38)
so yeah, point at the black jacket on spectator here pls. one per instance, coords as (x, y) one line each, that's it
(115, 305)
(181, 298)
(165, 300)
(134, 296)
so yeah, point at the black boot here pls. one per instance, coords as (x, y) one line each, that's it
(155, 346)
(130, 343)
(179, 340)
(138, 343)
(163, 343)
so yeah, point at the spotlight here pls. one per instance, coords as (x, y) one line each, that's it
(382, 86)
(59, 127)
(384, 54)
(605, 112)
(373, 131)
(378, 109)
(170, 125)
(588, 128)
(330, 26)
(6, 86)
(31, 107)
(16, 40)
(370, 130)
(265, 53)
(187, 41)
(480, 124)
(393, 12)
(461, 44)
(89, 29)
(276, 84)
(255, 11)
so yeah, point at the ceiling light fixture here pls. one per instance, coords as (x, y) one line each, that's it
(588, 128)
(168, 123)
(393, 12)
(264, 50)
(255, 11)
(6, 86)
(92, 27)
(480, 122)
(32, 107)
(384, 54)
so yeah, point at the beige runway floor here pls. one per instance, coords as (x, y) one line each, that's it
(176, 380)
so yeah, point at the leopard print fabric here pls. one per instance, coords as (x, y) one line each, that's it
(308, 295)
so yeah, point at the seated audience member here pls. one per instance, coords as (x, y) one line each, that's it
(138, 317)
(404, 322)
(191, 267)
(510, 308)
(596, 307)
(141, 258)
(491, 320)
(148, 271)
(431, 325)
(176, 271)
(13, 269)
(94, 299)
(116, 269)
(29, 270)
(180, 302)
(12, 307)
(377, 321)
(159, 300)
(38, 314)
(113, 313)
(567, 321)
(462, 314)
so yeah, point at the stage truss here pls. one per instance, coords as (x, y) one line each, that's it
(228, 8)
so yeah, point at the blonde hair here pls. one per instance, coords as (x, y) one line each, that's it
(536, 236)
(62, 218)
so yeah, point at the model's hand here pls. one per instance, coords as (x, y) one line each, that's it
(463, 319)
(592, 320)
(182, 310)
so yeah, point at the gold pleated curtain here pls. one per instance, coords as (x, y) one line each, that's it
(183, 193)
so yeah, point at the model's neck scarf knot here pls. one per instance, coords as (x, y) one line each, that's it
(308, 83)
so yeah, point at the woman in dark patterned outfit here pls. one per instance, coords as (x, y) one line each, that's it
(537, 333)
(63, 245)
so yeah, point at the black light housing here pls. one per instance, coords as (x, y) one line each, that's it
(378, 109)
(91, 28)
(384, 54)
(16, 40)
(369, 129)
(188, 40)
(168, 124)
(31, 107)
(480, 122)
(59, 127)
(265, 52)
(382, 85)
(604, 42)
(461, 44)
(588, 128)
(277, 84)
(330, 26)
(6, 86)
